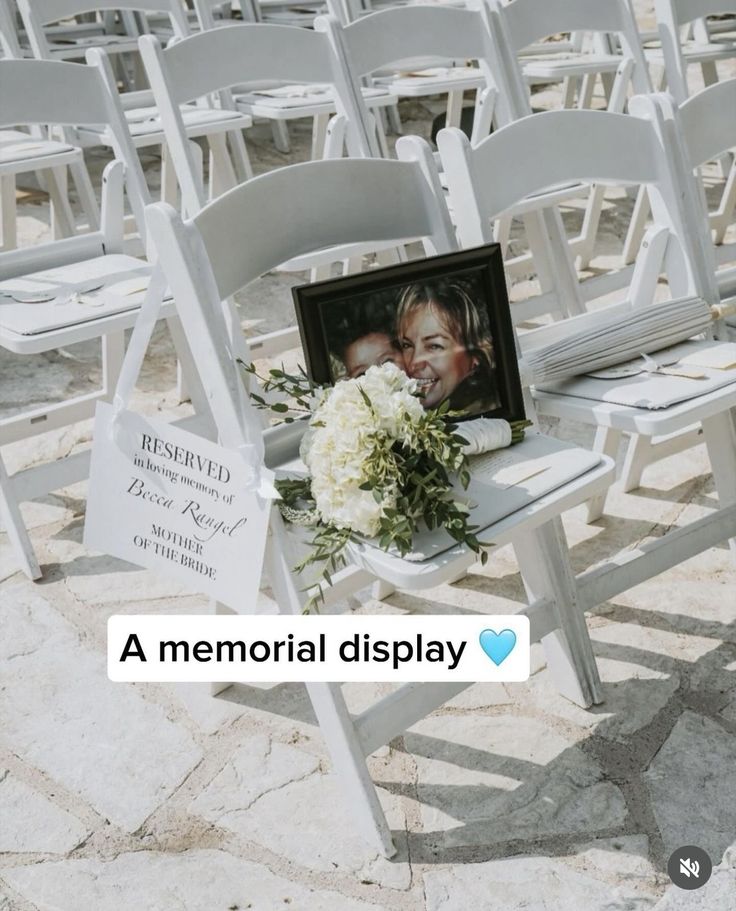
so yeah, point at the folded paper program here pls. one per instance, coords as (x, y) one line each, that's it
(484, 435)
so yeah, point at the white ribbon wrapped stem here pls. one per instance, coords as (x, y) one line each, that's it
(484, 435)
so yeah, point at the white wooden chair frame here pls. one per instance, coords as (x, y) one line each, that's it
(706, 135)
(613, 148)
(676, 53)
(404, 201)
(22, 152)
(522, 22)
(214, 61)
(58, 92)
(143, 119)
(398, 35)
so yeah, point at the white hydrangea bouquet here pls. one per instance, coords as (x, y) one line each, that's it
(380, 465)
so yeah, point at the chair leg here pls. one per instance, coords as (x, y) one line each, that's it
(721, 219)
(394, 119)
(545, 567)
(638, 456)
(346, 751)
(280, 132)
(113, 354)
(169, 185)
(86, 194)
(17, 532)
(8, 222)
(606, 442)
(637, 226)
(222, 172)
(239, 155)
(61, 212)
(320, 123)
(589, 231)
(454, 109)
(381, 590)
(335, 721)
(720, 439)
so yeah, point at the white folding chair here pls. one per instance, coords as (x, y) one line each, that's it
(405, 74)
(22, 152)
(205, 261)
(675, 19)
(201, 120)
(708, 136)
(280, 102)
(43, 92)
(677, 55)
(218, 59)
(614, 149)
(46, 44)
(521, 23)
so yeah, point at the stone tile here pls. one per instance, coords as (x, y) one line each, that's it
(152, 881)
(209, 714)
(606, 875)
(503, 778)
(254, 770)
(309, 821)
(718, 894)
(62, 714)
(729, 710)
(647, 645)
(633, 695)
(688, 781)
(31, 823)
(123, 582)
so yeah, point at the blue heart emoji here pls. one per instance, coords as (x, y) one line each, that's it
(498, 646)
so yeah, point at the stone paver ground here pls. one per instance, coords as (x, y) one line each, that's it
(148, 797)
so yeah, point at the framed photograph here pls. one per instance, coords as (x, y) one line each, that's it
(445, 321)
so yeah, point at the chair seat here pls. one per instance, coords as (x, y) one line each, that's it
(18, 146)
(526, 506)
(652, 404)
(291, 101)
(560, 66)
(697, 53)
(145, 123)
(438, 79)
(551, 465)
(75, 48)
(28, 328)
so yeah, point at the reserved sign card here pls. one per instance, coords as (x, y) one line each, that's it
(171, 501)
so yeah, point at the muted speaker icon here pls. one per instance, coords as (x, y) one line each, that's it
(689, 867)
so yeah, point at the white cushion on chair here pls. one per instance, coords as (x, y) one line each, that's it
(650, 391)
(17, 146)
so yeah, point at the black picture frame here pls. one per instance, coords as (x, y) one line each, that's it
(328, 308)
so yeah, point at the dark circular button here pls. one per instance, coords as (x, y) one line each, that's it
(689, 867)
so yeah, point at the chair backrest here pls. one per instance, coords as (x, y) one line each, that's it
(410, 35)
(706, 135)
(708, 122)
(243, 234)
(9, 45)
(593, 146)
(522, 22)
(671, 15)
(223, 57)
(41, 92)
(39, 13)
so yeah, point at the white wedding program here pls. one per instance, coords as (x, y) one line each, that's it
(173, 502)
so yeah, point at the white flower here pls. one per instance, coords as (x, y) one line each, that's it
(350, 421)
